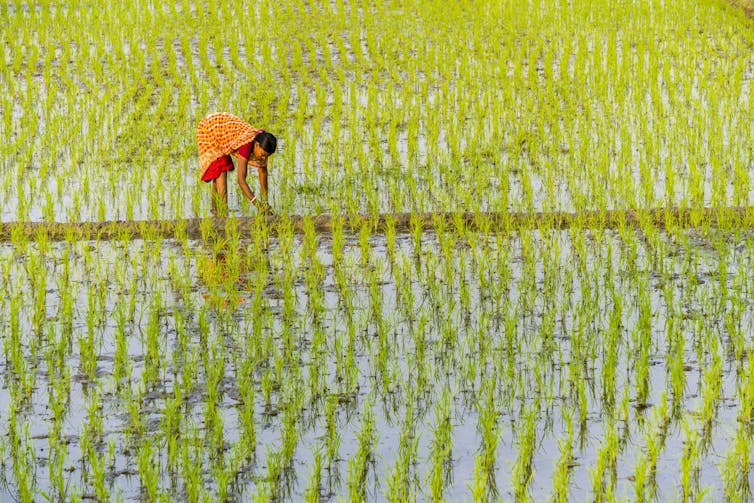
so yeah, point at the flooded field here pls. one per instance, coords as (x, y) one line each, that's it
(510, 258)
(466, 365)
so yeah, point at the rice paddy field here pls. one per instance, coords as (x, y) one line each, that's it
(451, 354)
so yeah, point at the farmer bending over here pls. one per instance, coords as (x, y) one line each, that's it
(222, 135)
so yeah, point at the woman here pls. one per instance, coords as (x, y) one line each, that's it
(222, 135)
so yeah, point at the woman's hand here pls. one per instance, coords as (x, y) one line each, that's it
(264, 208)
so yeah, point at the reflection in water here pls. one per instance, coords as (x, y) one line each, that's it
(229, 277)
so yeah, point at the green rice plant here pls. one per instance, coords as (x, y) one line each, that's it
(404, 285)
(148, 470)
(133, 399)
(565, 462)
(710, 393)
(365, 231)
(94, 428)
(416, 232)
(390, 237)
(24, 476)
(690, 462)
(332, 436)
(734, 468)
(191, 466)
(479, 485)
(151, 344)
(399, 483)
(611, 351)
(441, 450)
(522, 472)
(171, 426)
(640, 478)
(654, 440)
(59, 482)
(275, 470)
(312, 492)
(98, 467)
(642, 338)
(358, 465)
(222, 474)
(290, 429)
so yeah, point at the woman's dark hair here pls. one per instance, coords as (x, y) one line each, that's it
(267, 142)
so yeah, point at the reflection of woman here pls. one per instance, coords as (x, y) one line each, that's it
(221, 135)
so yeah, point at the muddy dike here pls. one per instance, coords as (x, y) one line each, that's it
(209, 228)
(746, 5)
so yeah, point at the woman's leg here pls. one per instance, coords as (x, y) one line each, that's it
(220, 195)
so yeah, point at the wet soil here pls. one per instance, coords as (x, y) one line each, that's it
(198, 228)
(746, 5)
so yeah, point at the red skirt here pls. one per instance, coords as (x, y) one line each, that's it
(225, 163)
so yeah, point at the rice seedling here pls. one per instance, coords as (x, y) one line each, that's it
(358, 466)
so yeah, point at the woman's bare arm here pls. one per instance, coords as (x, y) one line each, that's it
(262, 171)
(241, 168)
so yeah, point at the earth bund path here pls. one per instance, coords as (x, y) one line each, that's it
(247, 227)
(746, 5)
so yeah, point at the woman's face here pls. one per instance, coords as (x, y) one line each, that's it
(259, 155)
